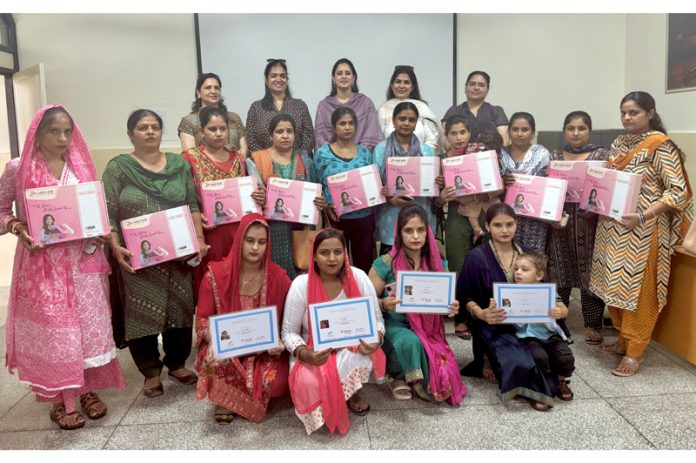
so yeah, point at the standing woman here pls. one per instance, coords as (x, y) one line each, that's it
(245, 279)
(283, 160)
(157, 299)
(402, 142)
(418, 356)
(521, 157)
(631, 260)
(209, 94)
(403, 86)
(340, 156)
(59, 336)
(482, 116)
(570, 248)
(324, 384)
(212, 160)
(277, 100)
(344, 94)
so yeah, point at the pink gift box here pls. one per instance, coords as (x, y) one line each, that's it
(574, 172)
(292, 201)
(356, 189)
(228, 200)
(609, 192)
(65, 213)
(537, 197)
(160, 237)
(473, 173)
(413, 176)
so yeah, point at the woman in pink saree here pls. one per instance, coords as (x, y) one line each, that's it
(59, 336)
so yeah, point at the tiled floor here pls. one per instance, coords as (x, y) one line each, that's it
(656, 409)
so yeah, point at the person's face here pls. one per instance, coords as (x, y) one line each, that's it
(577, 133)
(344, 197)
(405, 122)
(330, 257)
(255, 244)
(145, 246)
(458, 136)
(343, 77)
(209, 92)
(593, 194)
(526, 272)
(48, 221)
(634, 118)
(414, 233)
(519, 199)
(218, 207)
(399, 181)
(502, 228)
(277, 79)
(55, 138)
(345, 128)
(521, 133)
(402, 86)
(279, 203)
(147, 134)
(283, 137)
(476, 89)
(215, 133)
(457, 180)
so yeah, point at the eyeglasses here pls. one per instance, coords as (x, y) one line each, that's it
(273, 60)
(403, 67)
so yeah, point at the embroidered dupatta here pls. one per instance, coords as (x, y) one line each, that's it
(205, 169)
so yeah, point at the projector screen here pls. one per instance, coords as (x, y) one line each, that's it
(236, 46)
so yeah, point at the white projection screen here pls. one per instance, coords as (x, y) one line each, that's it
(236, 46)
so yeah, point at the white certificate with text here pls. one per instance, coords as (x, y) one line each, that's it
(343, 323)
(526, 303)
(425, 292)
(240, 333)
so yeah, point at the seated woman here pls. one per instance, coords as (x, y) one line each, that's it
(511, 361)
(245, 279)
(415, 344)
(322, 381)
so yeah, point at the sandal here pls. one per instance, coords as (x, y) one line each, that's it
(400, 390)
(462, 333)
(539, 406)
(564, 391)
(628, 366)
(223, 415)
(593, 337)
(66, 421)
(612, 348)
(421, 392)
(153, 391)
(186, 376)
(92, 405)
(356, 404)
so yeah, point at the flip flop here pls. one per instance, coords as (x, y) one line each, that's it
(592, 337)
(400, 390)
(462, 334)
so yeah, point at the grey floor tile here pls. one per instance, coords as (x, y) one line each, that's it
(177, 404)
(668, 421)
(78, 439)
(276, 433)
(581, 424)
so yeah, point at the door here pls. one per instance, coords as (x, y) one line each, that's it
(30, 96)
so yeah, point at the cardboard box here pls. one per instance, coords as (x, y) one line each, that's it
(413, 176)
(356, 189)
(537, 197)
(473, 173)
(574, 172)
(228, 200)
(609, 192)
(292, 201)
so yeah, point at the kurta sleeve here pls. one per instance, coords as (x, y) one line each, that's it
(371, 130)
(323, 131)
(294, 313)
(668, 165)
(205, 306)
(8, 194)
(432, 133)
(112, 192)
(472, 284)
(191, 196)
(186, 126)
(378, 157)
(320, 163)
(383, 118)
(236, 122)
(307, 142)
(499, 116)
(254, 127)
(368, 290)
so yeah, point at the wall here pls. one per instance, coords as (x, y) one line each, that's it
(547, 64)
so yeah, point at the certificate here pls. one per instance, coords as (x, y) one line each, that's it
(425, 292)
(343, 323)
(241, 333)
(526, 303)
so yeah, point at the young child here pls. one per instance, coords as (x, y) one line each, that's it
(546, 341)
(472, 206)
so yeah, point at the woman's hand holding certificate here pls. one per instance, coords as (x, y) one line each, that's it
(426, 292)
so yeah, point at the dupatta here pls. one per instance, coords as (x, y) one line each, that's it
(444, 380)
(392, 148)
(330, 394)
(205, 169)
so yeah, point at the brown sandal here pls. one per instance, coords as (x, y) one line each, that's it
(66, 421)
(92, 405)
(355, 402)
(539, 406)
(628, 366)
(223, 415)
(464, 334)
(613, 348)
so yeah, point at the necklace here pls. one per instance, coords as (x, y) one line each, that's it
(246, 282)
(509, 271)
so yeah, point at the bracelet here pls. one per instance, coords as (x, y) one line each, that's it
(13, 228)
(298, 350)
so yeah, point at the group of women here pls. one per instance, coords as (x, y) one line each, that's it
(60, 292)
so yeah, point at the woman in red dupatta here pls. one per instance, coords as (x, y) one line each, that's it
(417, 351)
(245, 279)
(322, 381)
(213, 161)
(59, 336)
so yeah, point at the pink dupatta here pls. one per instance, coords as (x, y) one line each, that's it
(444, 379)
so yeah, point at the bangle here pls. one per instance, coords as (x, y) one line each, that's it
(298, 350)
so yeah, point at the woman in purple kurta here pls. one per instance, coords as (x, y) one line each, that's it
(344, 93)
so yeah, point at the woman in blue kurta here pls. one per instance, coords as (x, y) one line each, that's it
(511, 361)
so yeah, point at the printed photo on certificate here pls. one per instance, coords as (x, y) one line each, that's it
(343, 323)
(246, 332)
(526, 303)
(425, 292)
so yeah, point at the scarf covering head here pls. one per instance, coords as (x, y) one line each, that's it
(444, 381)
(330, 395)
(394, 149)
